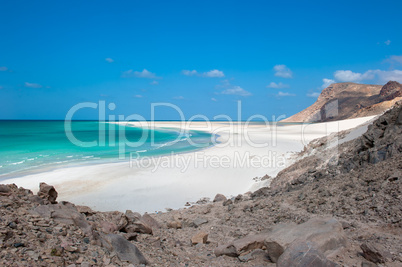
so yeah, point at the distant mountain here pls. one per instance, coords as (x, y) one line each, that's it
(341, 101)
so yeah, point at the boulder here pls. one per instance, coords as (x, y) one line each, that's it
(108, 227)
(117, 218)
(124, 250)
(85, 210)
(303, 254)
(199, 221)
(200, 238)
(4, 190)
(219, 198)
(139, 224)
(241, 246)
(326, 233)
(47, 192)
(65, 213)
(138, 227)
(373, 253)
(228, 250)
(151, 222)
(175, 224)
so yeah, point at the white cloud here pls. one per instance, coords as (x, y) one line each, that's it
(391, 75)
(214, 74)
(280, 94)
(108, 59)
(397, 59)
(277, 85)
(326, 83)
(137, 96)
(32, 85)
(178, 97)
(213, 99)
(283, 71)
(382, 76)
(3, 69)
(350, 76)
(154, 83)
(236, 90)
(313, 94)
(139, 74)
(209, 74)
(387, 42)
(189, 72)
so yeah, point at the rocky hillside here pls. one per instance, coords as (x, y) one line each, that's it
(337, 206)
(341, 101)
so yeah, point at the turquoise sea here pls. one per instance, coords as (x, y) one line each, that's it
(34, 146)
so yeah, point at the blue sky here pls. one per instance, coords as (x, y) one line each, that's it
(202, 56)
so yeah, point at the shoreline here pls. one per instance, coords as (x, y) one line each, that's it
(116, 186)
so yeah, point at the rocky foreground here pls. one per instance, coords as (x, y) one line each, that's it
(337, 206)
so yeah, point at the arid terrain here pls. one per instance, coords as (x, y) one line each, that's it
(337, 206)
(341, 101)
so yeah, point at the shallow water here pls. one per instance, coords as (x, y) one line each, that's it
(31, 146)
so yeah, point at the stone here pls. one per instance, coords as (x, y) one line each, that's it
(241, 246)
(66, 213)
(85, 210)
(47, 192)
(132, 216)
(373, 253)
(303, 254)
(326, 233)
(138, 223)
(176, 224)
(199, 221)
(138, 227)
(151, 222)
(108, 227)
(227, 202)
(117, 218)
(228, 250)
(4, 190)
(124, 250)
(200, 238)
(219, 198)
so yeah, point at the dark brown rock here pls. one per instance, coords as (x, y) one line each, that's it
(199, 238)
(303, 254)
(326, 233)
(125, 250)
(219, 198)
(373, 253)
(47, 192)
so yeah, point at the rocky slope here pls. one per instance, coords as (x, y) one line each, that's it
(341, 101)
(337, 206)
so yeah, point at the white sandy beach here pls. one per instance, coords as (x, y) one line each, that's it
(169, 182)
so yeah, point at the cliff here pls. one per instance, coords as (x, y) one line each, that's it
(341, 101)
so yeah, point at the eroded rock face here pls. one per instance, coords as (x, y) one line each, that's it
(341, 101)
(47, 192)
(391, 90)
